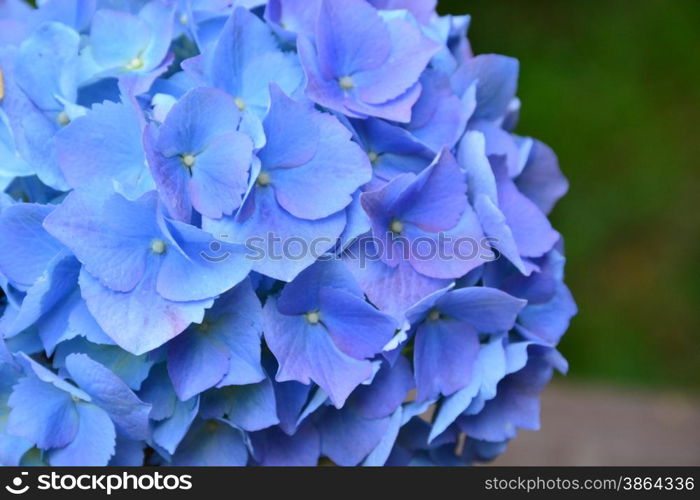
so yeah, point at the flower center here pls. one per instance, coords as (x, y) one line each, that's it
(158, 246)
(135, 63)
(63, 119)
(263, 179)
(240, 103)
(346, 83)
(396, 226)
(434, 315)
(188, 160)
(373, 157)
(312, 317)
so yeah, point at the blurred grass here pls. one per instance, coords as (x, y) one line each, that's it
(614, 88)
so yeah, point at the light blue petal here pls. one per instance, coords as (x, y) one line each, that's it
(93, 444)
(128, 412)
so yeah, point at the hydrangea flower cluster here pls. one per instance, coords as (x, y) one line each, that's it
(268, 233)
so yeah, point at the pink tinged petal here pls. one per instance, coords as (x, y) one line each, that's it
(306, 352)
(139, 320)
(357, 328)
(444, 355)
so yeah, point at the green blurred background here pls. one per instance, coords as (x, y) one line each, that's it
(614, 88)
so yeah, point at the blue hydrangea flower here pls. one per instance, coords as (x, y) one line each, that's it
(198, 157)
(148, 280)
(322, 329)
(75, 424)
(268, 233)
(361, 63)
(303, 178)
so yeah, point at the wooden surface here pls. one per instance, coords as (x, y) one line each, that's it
(584, 425)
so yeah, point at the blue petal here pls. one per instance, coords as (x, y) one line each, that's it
(246, 59)
(128, 412)
(274, 448)
(133, 370)
(104, 147)
(52, 424)
(252, 407)
(212, 443)
(194, 271)
(50, 303)
(169, 433)
(93, 444)
(140, 320)
(444, 356)
(489, 310)
(32, 248)
(111, 236)
(46, 65)
(127, 453)
(356, 327)
(280, 245)
(306, 352)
